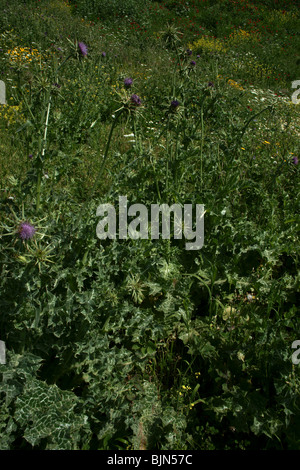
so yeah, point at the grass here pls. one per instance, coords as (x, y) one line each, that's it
(141, 344)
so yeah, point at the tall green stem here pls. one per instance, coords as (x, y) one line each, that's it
(42, 148)
(167, 150)
(100, 173)
(201, 152)
(105, 153)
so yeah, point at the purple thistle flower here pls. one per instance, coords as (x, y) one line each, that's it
(136, 100)
(128, 82)
(26, 230)
(189, 52)
(30, 156)
(193, 63)
(174, 104)
(295, 160)
(210, 84)
(82, 48)
(103, 54)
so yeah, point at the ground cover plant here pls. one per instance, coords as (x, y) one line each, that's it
(141, 344)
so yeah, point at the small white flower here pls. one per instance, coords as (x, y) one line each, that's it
(241, 356)
(223, 212)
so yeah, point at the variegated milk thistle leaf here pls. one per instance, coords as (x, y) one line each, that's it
(26, 231)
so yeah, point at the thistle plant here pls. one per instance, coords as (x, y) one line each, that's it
(19, 225)
(26, 230)
(136, 343)
(49, 87)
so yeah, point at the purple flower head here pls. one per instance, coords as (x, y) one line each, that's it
(103, 54)
(26, 230)
(198, 56)
(128, 82)
(210, 84)
(295, 160)
(136, 100)
(82, 48)
(193, 63)
(174, 104)
(189, 52)
(30, 156)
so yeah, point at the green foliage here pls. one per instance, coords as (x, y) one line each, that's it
(142, 344)
(112, 9)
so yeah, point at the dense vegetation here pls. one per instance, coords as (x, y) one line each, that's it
(140, 343)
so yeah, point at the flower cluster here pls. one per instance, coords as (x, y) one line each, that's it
(26, 231)
(208, 44)
(174, 104)
(235, 85)
(241, 35)
(82, 49)
(135, 100)
(23, 55)
(12, 114)
(128, 82)
(184, 389)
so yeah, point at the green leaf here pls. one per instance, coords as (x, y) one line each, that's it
(46, 412)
